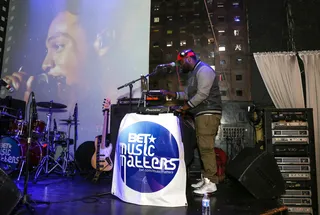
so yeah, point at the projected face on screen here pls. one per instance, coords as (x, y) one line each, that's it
(66, 49)
(71, 51)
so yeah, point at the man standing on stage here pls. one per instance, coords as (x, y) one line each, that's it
(203, 101)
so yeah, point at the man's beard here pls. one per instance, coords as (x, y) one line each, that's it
(185, 71)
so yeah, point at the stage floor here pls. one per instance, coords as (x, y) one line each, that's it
(79, 195)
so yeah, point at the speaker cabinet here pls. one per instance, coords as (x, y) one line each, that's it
(9, 194)
(258, 172)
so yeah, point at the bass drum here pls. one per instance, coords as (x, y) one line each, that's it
(13, 152)
(83, 156)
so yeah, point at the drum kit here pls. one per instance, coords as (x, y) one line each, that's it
(44, 141)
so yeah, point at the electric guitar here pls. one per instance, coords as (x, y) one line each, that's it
(101, 160)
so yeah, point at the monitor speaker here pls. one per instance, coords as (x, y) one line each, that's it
(258, 172)
(9, 194)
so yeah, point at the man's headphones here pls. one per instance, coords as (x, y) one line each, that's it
(186, 53)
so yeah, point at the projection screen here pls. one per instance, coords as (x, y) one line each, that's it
(76, 52)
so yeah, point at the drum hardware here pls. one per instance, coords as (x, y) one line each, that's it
(75, 137)
(44, 165)
(65, 155)
(4, 111)
(51, 105)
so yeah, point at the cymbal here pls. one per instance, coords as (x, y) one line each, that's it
(52, 110)
(7, 114)
(51, 105)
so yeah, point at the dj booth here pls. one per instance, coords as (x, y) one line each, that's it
(149, 161)
(119, 111)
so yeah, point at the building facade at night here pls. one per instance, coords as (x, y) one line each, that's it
(178, 25)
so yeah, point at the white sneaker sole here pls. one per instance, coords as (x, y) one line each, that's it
(195, 186)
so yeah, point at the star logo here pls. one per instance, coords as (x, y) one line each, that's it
(152, 139)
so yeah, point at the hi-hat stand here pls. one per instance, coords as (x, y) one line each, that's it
(44, 164)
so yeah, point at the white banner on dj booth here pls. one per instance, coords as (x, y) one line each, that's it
(149, 167)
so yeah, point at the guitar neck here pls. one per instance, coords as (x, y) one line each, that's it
(105, 128)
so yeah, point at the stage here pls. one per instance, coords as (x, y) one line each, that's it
(79, 195)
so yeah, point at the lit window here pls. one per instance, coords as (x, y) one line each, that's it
(238, 92)
(238, 47)
(210, 41)
(221, 18)
(236, 32)
(222, 48)
(182, 31)
(169, 43)
(235, 4)
(220, 4)
(183, 43)
(223, 93)
(169, 18)
(213, 67)
(222, 32)
(211, 55)
(239, 60)
(156, 19)
(156, 8)
(237, 18)
(238, 77)
(169, 31)
(209, 1)
(222, 62)
(155, 30)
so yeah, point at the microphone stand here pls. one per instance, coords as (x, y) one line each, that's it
(130, 84)
(75, 119)
(26, 197)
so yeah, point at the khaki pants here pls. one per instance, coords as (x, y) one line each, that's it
(206, 130)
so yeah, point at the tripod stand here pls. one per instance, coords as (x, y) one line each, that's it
(44, 165)
(26, 198)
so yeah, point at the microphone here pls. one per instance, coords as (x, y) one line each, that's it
(172, 64)
(6, 85)
(43, 78)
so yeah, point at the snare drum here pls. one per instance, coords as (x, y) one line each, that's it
(38, 127)
(13, 152)
(18, 128)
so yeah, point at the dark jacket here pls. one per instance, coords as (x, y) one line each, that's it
(202, 91)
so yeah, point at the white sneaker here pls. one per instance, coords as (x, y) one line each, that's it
(199, 184)
(208, 187)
